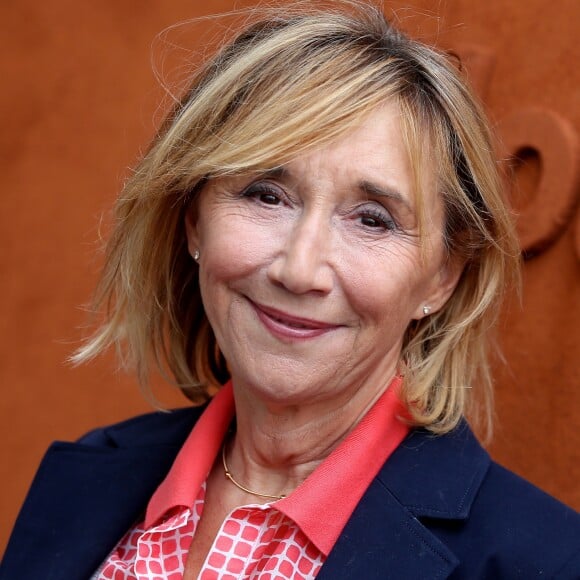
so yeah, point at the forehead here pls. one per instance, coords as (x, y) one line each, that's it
(369, 142)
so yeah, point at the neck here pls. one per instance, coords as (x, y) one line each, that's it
(276, 447)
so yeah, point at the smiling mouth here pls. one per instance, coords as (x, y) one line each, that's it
(286, 325)
(292, 323)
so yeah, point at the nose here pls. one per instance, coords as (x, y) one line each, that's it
(303, 263)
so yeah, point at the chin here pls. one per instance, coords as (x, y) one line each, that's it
(278, 387)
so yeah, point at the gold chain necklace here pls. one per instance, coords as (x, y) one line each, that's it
(239, 486)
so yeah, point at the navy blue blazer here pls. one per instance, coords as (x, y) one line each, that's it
(439, 508)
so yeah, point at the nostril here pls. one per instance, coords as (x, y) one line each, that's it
(303, 266)
(301, 274)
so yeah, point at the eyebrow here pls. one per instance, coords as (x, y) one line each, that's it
(373, 189)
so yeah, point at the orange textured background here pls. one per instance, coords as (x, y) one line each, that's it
(78, 103)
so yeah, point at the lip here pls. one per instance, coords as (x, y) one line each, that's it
(288, 326)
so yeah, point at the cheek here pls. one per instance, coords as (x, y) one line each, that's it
(383, 287)
(238, 228)
(230, 250)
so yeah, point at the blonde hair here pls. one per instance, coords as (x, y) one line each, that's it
(294, 80)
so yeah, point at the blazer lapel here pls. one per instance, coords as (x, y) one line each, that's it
(428, 478)
(383, 540)
(84, 498)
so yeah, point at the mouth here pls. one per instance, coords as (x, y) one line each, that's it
(285, 325)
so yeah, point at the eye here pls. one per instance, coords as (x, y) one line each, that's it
(264, 193)
(376, 219)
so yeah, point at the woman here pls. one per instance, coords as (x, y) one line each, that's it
(317, 235)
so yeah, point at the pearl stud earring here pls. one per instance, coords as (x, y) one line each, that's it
(196, 255)
(426, 310)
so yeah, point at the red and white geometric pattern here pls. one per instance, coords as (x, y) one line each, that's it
(254, 542)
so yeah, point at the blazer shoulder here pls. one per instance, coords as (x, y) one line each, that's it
(156, 428)
(526, 529)
(513, 499)
(496, 523)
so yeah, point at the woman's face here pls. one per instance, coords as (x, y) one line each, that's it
(311, 273)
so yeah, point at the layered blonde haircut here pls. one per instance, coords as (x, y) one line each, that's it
(296, 79)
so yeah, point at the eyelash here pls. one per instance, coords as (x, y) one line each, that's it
(257, 192)
(384, 219)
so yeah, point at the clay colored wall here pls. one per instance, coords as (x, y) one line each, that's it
(79, 101)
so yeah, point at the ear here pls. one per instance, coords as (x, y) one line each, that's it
(191, 232)
(444, 283)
